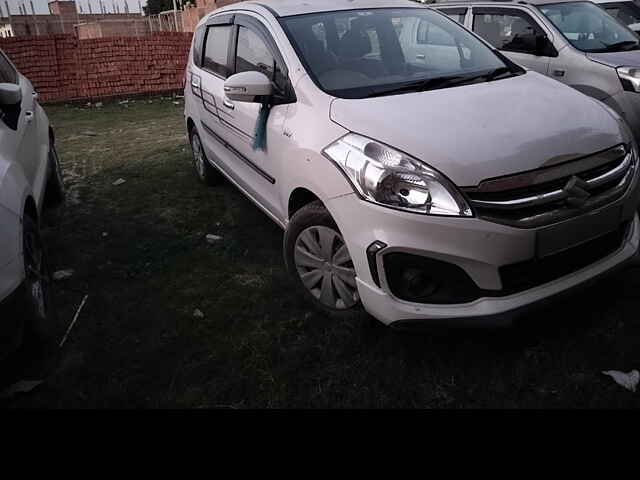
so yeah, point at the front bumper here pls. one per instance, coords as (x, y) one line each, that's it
(478, 247)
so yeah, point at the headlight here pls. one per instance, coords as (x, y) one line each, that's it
(630, 78)
(387, 177)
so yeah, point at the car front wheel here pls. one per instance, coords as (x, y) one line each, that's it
(318, 259)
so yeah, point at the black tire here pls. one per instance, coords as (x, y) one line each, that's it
(56, 191)
(206, 173)
(38, 351)
(305, 220)
(39, 308)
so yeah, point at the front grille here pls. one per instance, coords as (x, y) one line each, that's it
(549, 195)
(532, 273)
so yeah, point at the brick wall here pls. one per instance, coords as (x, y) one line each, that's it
(63, 68)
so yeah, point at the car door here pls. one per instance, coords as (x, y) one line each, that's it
(256, 50)
(24, 142)
(516, 34)
(212, 60)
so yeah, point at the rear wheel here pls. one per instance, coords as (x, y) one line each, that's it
(206, 172)
(318, 259)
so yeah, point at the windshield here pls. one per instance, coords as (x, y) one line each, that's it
(626, 12)
(363, 53)
(589, 28)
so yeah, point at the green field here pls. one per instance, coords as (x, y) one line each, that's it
(139, 253)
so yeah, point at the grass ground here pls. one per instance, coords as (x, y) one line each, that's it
(139, 253)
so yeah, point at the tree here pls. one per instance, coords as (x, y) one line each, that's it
(156, 6)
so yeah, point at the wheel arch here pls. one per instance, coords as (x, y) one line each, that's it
(299, 198)
(191, 125)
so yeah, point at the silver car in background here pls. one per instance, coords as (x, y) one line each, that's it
(625, 11)
(575, 42)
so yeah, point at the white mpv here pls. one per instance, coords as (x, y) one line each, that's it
(418, 174)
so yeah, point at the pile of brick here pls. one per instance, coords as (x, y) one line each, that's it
(64, 68)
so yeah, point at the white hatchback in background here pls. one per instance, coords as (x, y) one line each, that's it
(29, 171)
(418, 174)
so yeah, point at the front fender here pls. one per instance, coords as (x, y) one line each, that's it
(14, 189)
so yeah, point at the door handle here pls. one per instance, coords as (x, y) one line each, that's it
(228, 104)
(28, 115)
(421, 56)
(558, 73)
(36, 95)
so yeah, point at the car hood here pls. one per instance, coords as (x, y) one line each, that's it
(617, 59)
(480, 131)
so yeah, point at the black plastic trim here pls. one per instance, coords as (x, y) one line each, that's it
(372, 258)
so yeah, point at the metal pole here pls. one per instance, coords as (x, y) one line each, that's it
(35, 21)
(175, 13)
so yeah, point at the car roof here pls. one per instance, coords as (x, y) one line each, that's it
(285, 8)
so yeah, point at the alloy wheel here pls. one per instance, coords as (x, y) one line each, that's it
(198, 155)
(36, 272)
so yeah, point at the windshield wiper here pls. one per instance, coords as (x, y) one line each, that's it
(443, 82)
(488, 76)
(420, 86)
(621, 46)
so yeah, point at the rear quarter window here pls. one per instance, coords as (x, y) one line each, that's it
(198, 39)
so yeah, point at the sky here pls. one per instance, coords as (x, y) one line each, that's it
(41, 6)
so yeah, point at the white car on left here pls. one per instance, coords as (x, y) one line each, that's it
(30, 176)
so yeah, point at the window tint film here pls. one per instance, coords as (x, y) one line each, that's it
(7, 72)
(512, 32)
(217, 49)
(198, 39)
(358, 53)
(253, 55)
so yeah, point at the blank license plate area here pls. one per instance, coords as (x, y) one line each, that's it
(573, 232)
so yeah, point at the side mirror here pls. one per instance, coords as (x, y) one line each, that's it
(10, 95)
(248, 87)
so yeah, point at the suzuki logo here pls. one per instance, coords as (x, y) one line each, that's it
(576, 190)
